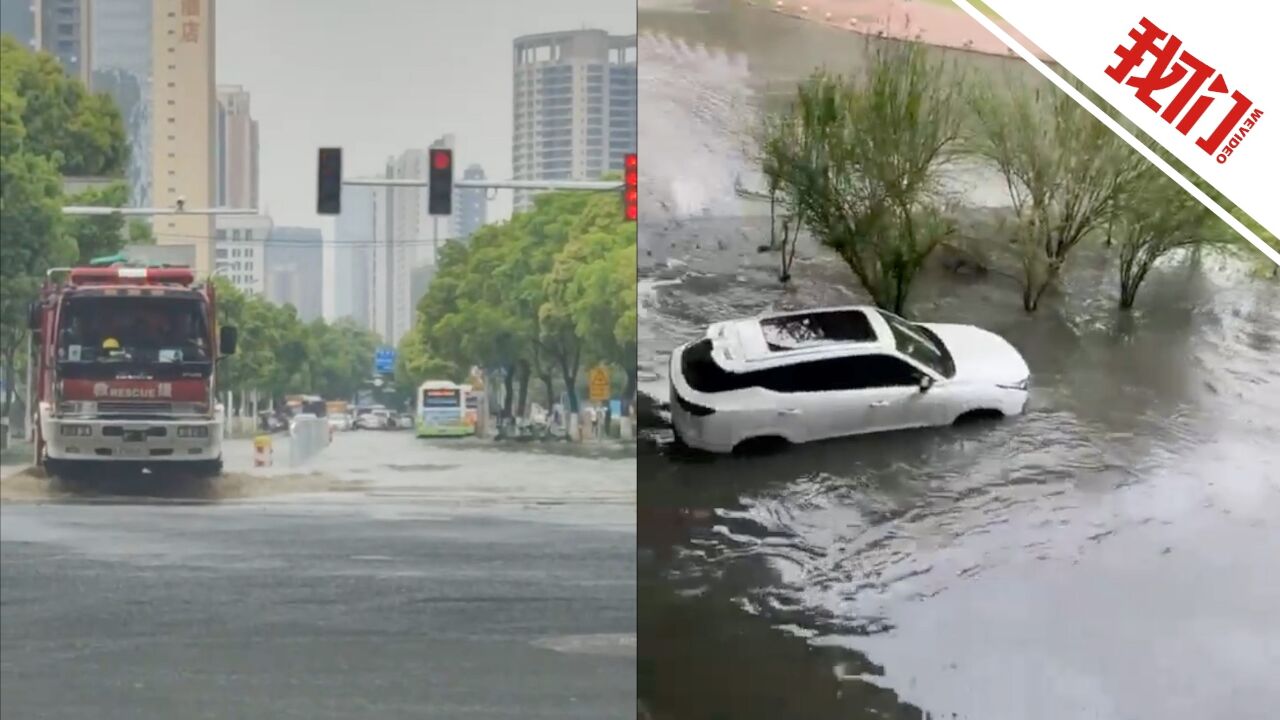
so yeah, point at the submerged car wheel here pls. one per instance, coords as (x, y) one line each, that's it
(763, 445)
(977, 416)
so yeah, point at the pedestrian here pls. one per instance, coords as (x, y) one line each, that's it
(589, 414)
(596, 414)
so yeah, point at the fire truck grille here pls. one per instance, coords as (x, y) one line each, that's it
(134, 408)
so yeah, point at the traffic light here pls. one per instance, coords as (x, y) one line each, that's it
(440, 182)
(630, 191)
(329, 191)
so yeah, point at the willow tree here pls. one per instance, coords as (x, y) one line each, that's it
(859, 161)
(1064, 171)
(1153, 218)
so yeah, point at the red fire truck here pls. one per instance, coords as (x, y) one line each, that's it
(125, 360)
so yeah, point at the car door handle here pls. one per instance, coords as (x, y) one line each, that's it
(880, 403)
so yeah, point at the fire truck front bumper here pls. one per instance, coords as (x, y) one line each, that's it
(152, 440)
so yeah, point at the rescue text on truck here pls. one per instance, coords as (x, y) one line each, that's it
(125, 366)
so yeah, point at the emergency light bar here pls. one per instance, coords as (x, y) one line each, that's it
(123, 275)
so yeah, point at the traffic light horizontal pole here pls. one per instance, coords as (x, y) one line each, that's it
(99, 210)
(494, 184)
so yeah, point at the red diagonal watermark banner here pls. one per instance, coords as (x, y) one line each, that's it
(1201, 89)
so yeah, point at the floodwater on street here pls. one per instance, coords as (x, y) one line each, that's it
(1109, 555)
(389, 577)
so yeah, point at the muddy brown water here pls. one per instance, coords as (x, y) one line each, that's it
(1111, 554)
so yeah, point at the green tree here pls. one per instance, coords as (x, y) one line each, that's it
(593, 285)
(98, 235)
(1155, 217)
(1063, 169)
(860, 159)
(82, 133)
(506, 300)
(49, 127)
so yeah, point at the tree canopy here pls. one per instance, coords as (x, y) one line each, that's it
(50, 127)
(537, 298)
(279, 354)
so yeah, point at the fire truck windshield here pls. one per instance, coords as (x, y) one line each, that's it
(148, 330)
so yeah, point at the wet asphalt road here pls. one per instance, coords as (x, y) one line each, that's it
(444, 589)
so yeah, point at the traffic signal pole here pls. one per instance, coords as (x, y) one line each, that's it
(596, 185)
(148, 212)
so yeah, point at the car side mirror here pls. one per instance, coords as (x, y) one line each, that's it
(926, 382)
(227, 337)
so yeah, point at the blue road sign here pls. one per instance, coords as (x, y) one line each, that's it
(384, 360)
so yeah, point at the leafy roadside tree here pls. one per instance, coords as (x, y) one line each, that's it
(82, 133)
(1065, 173)
(50, 126)
(531, 299)
(99, 235)
(860, 162)
(279, 354)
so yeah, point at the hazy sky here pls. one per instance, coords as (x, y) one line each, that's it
(377, 82)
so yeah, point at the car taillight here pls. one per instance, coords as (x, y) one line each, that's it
(693, 409)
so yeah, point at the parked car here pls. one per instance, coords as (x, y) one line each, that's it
(340, 421)
(831, 372)
(404, 421)
(375, 419)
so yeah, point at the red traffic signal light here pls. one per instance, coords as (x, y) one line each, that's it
(630, 188)
(440, 182)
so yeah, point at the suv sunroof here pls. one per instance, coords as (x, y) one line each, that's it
(791, 332)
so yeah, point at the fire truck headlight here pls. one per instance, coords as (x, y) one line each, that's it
(77, 431)
(193, 431)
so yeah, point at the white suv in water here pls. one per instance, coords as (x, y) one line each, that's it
(830, 372)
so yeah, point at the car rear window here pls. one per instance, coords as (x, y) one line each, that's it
(831, 326)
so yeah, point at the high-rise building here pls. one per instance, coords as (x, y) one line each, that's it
(574, 106)
(240, 252)
(18, 18)
(295, 270)
(352, 252)
(235, 150)
(470, 205)
(410, 241)
(63, 28)
(182, 123)
(121, 40)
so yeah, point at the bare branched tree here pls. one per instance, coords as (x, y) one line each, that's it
(1154, 217)
(1064, 171)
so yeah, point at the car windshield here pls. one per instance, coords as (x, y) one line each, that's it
(132, 330)
(920, 344)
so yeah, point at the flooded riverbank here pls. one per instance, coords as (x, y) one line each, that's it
(1103, 556)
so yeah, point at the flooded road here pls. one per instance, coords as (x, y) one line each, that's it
(389, 578)
(1112, 554)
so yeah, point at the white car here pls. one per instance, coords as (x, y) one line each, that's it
(376, 419)
(831, 372)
